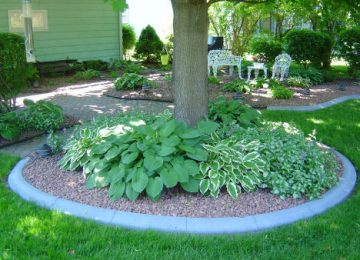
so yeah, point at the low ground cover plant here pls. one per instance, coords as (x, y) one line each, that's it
(281, 92)
(213, 80)
(129, 81)
(241, 86)
(98, 65)
(41, 115)
(87, 74)
(299, 82)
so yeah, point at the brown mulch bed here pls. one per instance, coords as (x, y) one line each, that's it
(260, 98)
(44, 174)
(69, 121)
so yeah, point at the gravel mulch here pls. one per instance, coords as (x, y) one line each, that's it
(69, 121)
(258, 98)
(44, 174)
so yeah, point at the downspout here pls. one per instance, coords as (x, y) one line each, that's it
(28, 31)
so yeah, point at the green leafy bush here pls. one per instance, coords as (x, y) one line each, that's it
(234, 164)
(129, 37)
(114, 74)
(98, 65)
(9, 126)
(213, 80)
(313, 74)
(265, 47)
(126, 66)
(297, 166)
(14, 71)
(130, 81)
(299, 82)
(329, 75)
(87, 74)
(42, 115)
(348, 47)
(282, 92)
(142, 158)
(233, 112)
(55, 142)
(238, 85)
(149, 45)
(306, 46)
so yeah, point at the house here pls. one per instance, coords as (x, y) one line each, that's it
(66, 29)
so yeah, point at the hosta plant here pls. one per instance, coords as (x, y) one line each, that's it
(145, 158)
(299, 82)
(130, 81)
(234, 164)
(232, 111)
(240, 85)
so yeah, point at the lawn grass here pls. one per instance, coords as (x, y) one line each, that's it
(28, 231)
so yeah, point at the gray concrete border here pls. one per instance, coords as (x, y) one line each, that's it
(226, 225)
(317, 106)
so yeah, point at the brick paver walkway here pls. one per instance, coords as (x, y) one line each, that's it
(85, 101)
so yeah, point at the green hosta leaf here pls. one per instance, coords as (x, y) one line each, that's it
(207, 127)
(190, 134)
(168, 128)
(116, 190)
(116, 174)
(204, 186)
(181, 172)
(154, 187)
(100, 166)
(191, 142)
(187, 148)
(128, 158)
(130, 193)
(112, 153)
(198, 155)
(169, 178)
(140, 181)
(232, 190)
(101, 148)
(152, 163)
(192, 167)
(166, 150)
(191, 186)
(171, 140)
(251, 156)
(213, 174)
(215, 165)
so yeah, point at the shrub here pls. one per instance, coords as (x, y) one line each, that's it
(114, 74)
(126, 66)
(42, 115)
(98, 65)
(149, 45)
(306, 46)
(348, 47)
(265, 47)
(130, 81)
(9, 126)
(87, 74)
(316, 77)
(239, 85)
(129, 37)
(299, 82)
(232, 163)
(213, 80)
(13, 69)
(233, 112)
(329, 75)
(143, 158)
(281, 92)
(297, 166)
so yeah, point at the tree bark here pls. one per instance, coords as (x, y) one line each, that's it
(190, 77)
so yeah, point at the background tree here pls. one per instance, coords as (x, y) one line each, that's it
(129, 37)
(149, 45)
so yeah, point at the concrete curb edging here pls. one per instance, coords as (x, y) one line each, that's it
(315, 107)
(224, 225)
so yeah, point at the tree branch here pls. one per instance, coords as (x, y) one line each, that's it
(210, 2)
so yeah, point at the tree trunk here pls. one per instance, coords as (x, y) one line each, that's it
(190, 77)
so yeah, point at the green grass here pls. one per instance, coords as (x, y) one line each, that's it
(28, 231)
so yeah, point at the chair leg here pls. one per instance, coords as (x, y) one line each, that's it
(240, 72)
(249, 74)
(215, 71)
(231, 70)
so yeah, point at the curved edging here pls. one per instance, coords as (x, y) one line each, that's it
(317, 106)
(253, 223)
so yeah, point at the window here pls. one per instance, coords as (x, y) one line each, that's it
(39, 20)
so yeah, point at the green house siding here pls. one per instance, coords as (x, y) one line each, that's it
(77, 29)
